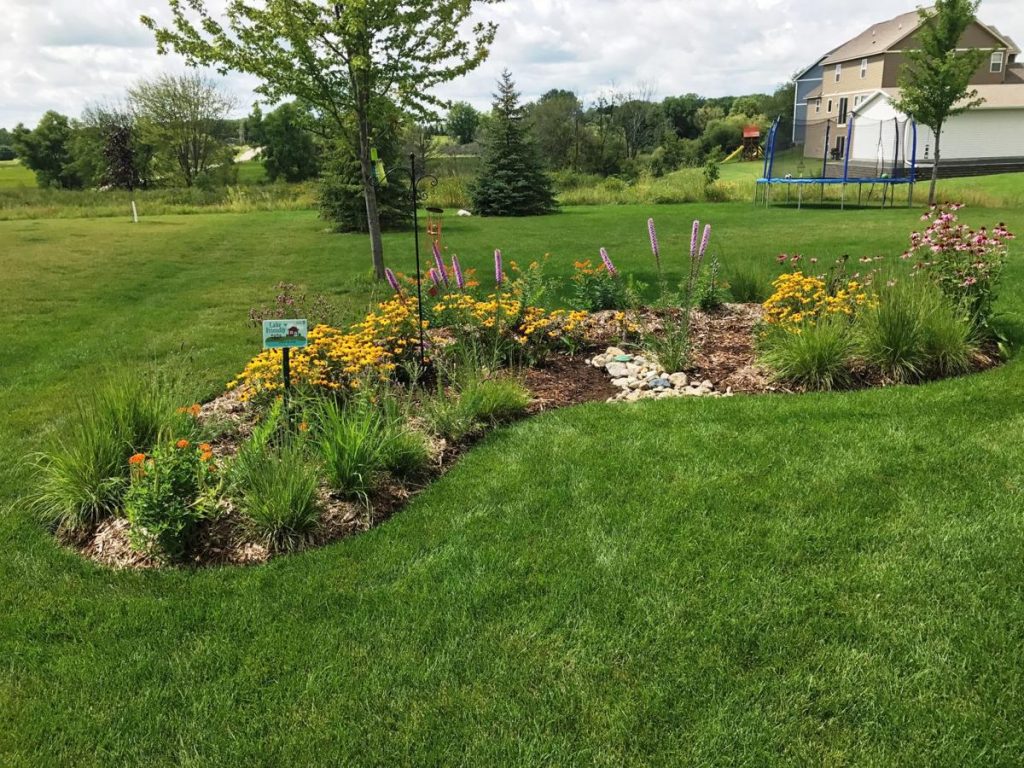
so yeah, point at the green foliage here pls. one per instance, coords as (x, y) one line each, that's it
(361, 441)
(511, 181)
(935, 78)
(7, 153)
(463, 121)
(595, 289)
(671, 346)
(172, 491)
(711, 292)
(81, 478)
(277, 490)
(556, 121)
(182, 117)
(288, 149)
(817, 356)
(748, 284)
(474, 401)
(47, 151)
(915, 333)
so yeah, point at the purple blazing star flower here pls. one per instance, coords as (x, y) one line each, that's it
(439, 264)
(706, 239)
(608, 263)
(654, 241)
(498, 273)
(693, 239)
(434, 277)
(460, 280)
(393, 281)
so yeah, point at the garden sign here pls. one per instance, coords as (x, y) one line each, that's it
(285, 335)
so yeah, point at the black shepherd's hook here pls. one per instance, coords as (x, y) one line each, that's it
(416, 178)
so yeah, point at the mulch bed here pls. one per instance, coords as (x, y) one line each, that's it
(723, 352)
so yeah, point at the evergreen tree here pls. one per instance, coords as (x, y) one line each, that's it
(512, 181)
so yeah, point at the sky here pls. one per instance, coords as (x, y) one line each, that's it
(67, 54)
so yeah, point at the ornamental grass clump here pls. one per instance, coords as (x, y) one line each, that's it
(277, 489)
(818, 357)
(81, 479)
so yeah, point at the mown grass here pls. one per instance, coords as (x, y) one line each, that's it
(15, 175)
(826, 579)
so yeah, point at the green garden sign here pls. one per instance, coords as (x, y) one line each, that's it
(285, 334)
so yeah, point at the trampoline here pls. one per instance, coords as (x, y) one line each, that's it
(877, 157)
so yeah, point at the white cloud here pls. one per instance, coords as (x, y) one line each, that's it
(64, 54)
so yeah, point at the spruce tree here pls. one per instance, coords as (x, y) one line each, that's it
(511, 181)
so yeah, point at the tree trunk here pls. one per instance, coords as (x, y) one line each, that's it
(370, 195)
(935, 166)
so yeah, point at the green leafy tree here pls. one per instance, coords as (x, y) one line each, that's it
(342, 58)
(288, 147)
(557, 122)
(46, 150)
(935, 80)
(511, 181)
(184, 117)
(463, 121)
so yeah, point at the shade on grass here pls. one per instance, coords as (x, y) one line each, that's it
(828, 579)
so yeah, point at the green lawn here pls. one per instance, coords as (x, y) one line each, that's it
(14, 174)
(817, 580)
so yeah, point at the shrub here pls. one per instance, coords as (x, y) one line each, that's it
(671, 348)
(711, 293)
(172, 490)
(82, 478)
(598, 288)
(815, 356)
(277, 491)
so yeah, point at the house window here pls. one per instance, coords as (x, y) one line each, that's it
(996, 63)
(839, 71)
(843, 108)
(863, 68)
(817, 105)
(829, 107)
(840, 147)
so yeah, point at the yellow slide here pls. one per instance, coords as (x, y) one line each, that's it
(734, 155)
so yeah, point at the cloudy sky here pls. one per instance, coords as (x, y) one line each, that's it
(65, 54)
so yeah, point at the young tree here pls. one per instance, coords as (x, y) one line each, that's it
(342, 58)
(511, 181)
(288, 148)
(935, 80)
(463, 120)
(183, 117)
(557, 119)
(47, 151)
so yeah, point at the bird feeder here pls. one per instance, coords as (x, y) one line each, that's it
(435, 218)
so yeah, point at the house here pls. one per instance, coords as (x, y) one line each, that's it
(806, 83)
(859, 79)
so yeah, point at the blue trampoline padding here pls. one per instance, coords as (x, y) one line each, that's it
(837, 181)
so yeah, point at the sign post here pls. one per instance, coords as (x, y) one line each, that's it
(285, 335)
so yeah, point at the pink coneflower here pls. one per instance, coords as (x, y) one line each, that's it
(693, 238)
(654, 242)
(393, 281)
(442, 273)
(460, 280)
(498, 273)
(608, 263)
(705, 240)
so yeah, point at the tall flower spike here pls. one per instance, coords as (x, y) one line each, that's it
(498, 274)
(393, 281)
(705, 240)
(434, 277)
(693, 238)
(654, 242)
(442, 273)
(608, 263)
(460, 279)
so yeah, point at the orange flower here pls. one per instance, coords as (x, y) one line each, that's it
(205, 448)
(195, 409)
(138, 458)
(303, 427)
(206, 456)
(182, 443)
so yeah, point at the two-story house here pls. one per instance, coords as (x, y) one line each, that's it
(861, 77)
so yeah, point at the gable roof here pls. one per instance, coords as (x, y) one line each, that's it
(881, 37)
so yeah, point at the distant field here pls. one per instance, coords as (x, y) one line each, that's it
(14, 174)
